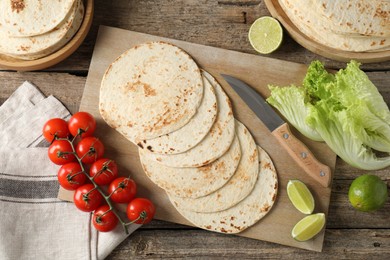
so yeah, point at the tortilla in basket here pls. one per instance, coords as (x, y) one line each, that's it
(22, 18)
(35, 47)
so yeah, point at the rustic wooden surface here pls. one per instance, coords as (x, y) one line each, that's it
(225, 23)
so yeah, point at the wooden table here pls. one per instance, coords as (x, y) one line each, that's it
(224, 24)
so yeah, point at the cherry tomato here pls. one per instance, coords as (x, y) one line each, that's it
(140, 210)
(90, 149)
(83, 123)
(60, 152)
(104, 219)
(122, 190)
(103, 171)
(55, 127)
(70, 176)
(86, 198)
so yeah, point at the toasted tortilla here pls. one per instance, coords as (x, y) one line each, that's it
(237, 188)
(34, 47)
(355, 17)
(190, 134)
(307, 19)
(247, 212)
(151, 90)
(216, 142)
(23, 18)
(194, 182)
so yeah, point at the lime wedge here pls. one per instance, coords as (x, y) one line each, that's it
(300, 196)
(265, 34)
(308, 227)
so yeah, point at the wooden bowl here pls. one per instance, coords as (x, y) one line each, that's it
(367, 57)
(11, 63)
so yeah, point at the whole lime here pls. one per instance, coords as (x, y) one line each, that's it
(368, 193)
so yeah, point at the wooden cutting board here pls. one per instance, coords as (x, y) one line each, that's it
(255, 70)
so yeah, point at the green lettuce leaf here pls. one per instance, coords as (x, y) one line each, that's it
(353, 84)
(290, 101)
(345, 110)
(338, 131)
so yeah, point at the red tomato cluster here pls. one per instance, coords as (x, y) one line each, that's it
(87, 172)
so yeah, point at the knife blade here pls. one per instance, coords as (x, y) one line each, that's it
(280, 129)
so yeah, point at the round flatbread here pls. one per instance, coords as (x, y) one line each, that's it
(249, 211)
(355, 17)
(216, 142)
(194, 182)
(34, 47)
(190, 134)
(23, 18)
(151, 90)
(239, 185)
(309, 23)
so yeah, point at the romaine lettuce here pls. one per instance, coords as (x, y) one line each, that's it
(345, 110)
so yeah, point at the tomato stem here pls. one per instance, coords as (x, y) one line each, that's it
(96, 187)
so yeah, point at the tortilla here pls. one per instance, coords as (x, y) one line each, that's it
(216, 142)
(151, 90)
(309, 23)
(355, 17)
(34, 47)
(190, 134)
(237, 188)
(194, 182)
(23, 18)
(246, 213)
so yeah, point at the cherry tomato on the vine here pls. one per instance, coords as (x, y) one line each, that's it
(90, 149)
(104, 219)
(103, 171)
(122, 190)
(60, 152)
(82, 123)
(140, 210)
(70, 176)
(87, 198)
(55, 127)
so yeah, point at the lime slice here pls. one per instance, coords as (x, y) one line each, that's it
(308, 227)
(265, 34)
(300, 196)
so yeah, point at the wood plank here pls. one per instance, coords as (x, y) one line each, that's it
(66, 87)
(222, 24)
(339, 244)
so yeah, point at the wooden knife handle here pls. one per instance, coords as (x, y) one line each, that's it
(302, 155)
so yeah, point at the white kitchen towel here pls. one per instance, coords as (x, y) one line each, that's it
(25, 97)
(34, 224)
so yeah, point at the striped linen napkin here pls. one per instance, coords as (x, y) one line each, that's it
(34, 223)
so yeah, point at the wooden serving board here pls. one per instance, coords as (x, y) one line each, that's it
(256, 71)
(367, 57)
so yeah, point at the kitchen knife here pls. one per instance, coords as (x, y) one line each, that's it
(280, 129)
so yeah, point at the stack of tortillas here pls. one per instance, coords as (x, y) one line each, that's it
(189, 142)
(348, 25)
(31, 29)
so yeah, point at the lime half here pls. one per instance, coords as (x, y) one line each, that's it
(308, 227)
(300, 196)
(265, 34)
